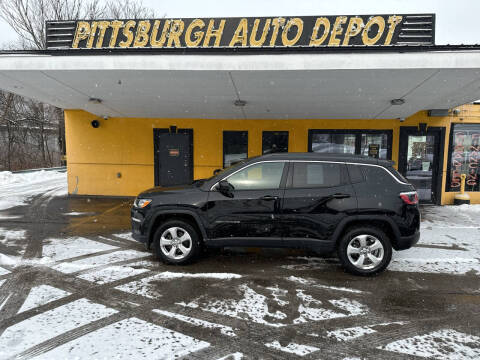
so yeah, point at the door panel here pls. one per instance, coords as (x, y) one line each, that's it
(316, 199)
(420, 161)
(249, 214)
(174, 159)
(252, 210)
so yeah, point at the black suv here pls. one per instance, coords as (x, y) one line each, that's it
(359, 206)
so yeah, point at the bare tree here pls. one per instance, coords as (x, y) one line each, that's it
(27, 17)
(27, 126)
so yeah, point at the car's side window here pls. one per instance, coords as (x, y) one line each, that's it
(378, 176)
(317, 174)
(356, 175)
(266, 175)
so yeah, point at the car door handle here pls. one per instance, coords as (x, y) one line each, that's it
(269, 198)
(340, 196)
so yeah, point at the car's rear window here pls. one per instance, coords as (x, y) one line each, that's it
(377, 175)
(395, 173)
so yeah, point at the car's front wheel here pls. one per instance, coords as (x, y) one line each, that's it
(365, 250)
(176, 242)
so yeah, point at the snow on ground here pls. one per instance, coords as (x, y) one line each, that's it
(234, 356)
(75, 213)
(8, 260)
(254, 306)
(99, 260)
(11, 235)
(16, 189)
(61, 249)
(314, 284)
(167, 275)
(111, 273)
(125, 236)
(225, 330)
(346, 334)
(39, 328)
(147, 287)
(444, 247)
(292, 348)
(131, 338)
(441, 344)
(41, 295)
(4, 271)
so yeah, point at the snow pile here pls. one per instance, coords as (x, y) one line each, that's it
(16, 189)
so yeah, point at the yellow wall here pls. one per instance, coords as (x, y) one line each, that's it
(125, 146)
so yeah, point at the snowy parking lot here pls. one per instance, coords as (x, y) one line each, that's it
(74, 285)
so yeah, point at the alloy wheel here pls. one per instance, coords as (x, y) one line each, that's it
(365, 252)
(175, 243)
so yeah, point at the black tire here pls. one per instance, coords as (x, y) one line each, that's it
(184, 227)
(353, 235)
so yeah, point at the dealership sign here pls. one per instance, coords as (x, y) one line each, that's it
(260, 32)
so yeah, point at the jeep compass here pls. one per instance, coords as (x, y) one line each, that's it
(360, 207)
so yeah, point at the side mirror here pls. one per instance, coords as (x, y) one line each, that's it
(225, 188)
(216, 171)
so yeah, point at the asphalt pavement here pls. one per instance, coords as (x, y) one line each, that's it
(74, 284)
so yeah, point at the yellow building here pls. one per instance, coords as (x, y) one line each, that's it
(108, 161)
(164, 102)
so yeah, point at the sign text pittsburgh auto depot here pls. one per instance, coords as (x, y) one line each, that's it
(306, 31)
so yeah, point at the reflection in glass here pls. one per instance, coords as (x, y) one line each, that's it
(258, 177)
(333, 143)
(235, 147)
(465, 157)
(375, 139)
(419, 164)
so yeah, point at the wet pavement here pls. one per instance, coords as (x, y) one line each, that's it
(73, 284)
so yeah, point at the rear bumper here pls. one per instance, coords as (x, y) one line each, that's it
(406, 242)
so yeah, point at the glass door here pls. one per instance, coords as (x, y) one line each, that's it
(420, 162)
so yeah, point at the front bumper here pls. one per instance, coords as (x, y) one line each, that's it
(406, 242)
(137, 228)
(139, 237)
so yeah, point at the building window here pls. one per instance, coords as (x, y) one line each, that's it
(374, 143)
(274, 142)
(235, 147)
(333, 143)
(464, 157)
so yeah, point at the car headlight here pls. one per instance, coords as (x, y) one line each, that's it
(141, 203)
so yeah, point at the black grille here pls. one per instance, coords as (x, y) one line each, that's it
(60, 34)
(417, 30)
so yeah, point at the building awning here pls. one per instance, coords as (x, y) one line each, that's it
(302, 85)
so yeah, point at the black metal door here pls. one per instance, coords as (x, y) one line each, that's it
(174, 159)
(421, 160)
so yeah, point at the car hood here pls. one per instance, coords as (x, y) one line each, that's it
(159, 190)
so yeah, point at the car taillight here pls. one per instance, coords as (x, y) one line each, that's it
(410, 198)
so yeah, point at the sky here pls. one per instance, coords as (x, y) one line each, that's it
(456, 20)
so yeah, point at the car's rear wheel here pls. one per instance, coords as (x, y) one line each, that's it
(177, 242)
(365, 250)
